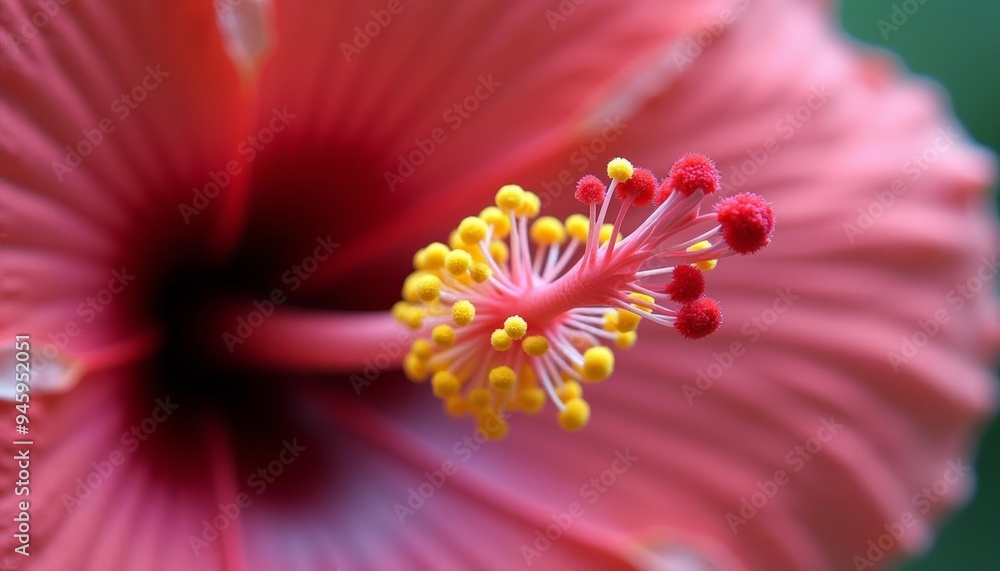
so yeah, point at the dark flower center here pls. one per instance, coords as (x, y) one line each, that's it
(226, 408)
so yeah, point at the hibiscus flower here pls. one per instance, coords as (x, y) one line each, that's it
(208, 210)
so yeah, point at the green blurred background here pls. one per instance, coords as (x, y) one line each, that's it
(956, 42)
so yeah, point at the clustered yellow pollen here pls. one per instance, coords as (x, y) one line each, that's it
(517, 310)
(458, 293)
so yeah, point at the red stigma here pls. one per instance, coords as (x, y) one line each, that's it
(590, 190)
(641, 188)
(693, 172)
(698, 318)
(747, 222)
(687, 285)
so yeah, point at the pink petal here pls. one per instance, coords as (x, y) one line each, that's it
(827, 356)
(822, 363)
(823, 358)
(356, 113)
(64, 82)
(95, 500)
(368, 521)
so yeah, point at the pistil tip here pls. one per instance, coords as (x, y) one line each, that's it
(699, 318)
(640, 187)
(694, 172)
(747, 222)
(590, 190)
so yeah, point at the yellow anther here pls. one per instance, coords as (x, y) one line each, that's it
(480, 272)
(509, 197)
(419, 259)
(530, 205)
(620, 169)
(408, 314)
(480, 398)
(472, 249)
(502, 378)
(400, 309)
(575, 416)
(499, 251)
(492, 425)
(569, 391)
(578, 227)
(535, 345)
(410, 286)
(626, 340)
(458, 262)
(422, 349)
(429, 288)
(627, 321)
(416, 319)
(515, 326)
(456, 243)
(443, 335)
(705, 265)
(498, 220)
(598, 363)
(646, 299)
(414, 368)
(548, 231)
(500, 340)
(530, 400)
(611, 321)
(434, 255)
(456, 406)
(463, 312)
(605, 235)
(445, 384)
(472, 229)
(435, 365)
